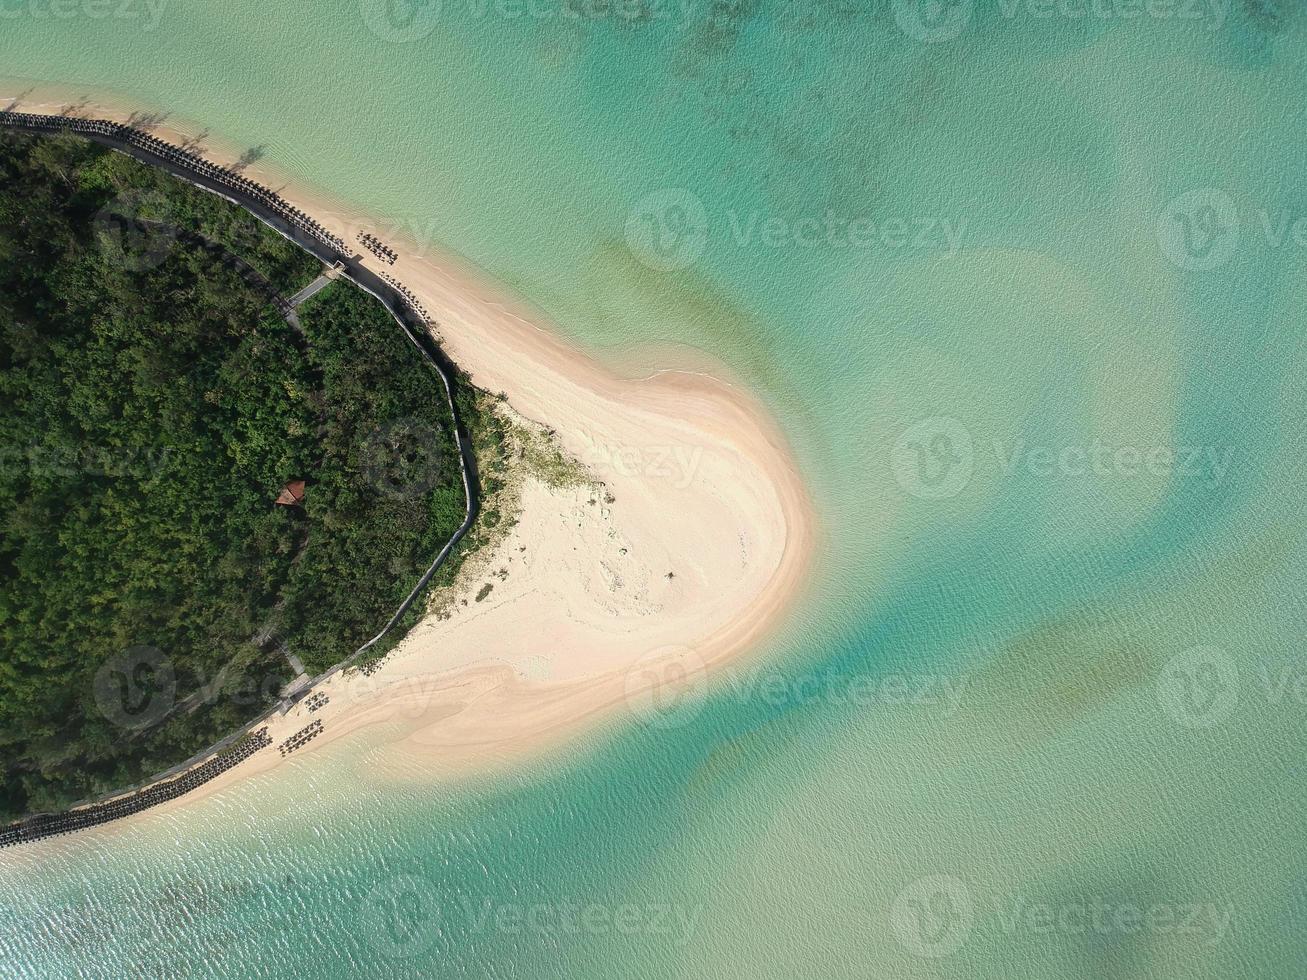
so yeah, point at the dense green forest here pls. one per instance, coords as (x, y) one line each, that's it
(157, 398)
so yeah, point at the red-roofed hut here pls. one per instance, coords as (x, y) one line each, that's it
(292, 494)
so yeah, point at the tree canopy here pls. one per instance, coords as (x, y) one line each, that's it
(157, 398)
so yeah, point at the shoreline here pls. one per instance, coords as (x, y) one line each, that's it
(587, 596)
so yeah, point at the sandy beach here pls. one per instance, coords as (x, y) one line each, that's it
(693, 552)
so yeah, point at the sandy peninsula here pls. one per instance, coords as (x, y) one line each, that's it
(686, 548)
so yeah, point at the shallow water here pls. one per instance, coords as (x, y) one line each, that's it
(1027, 298)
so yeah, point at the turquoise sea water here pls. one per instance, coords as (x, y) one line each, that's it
(1025, 288)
